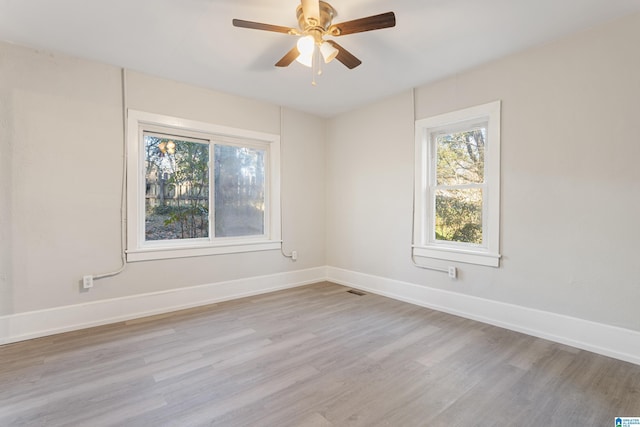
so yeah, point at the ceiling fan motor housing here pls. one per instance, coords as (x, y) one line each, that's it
(311, 25)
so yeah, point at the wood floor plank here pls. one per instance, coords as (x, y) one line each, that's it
(311, 356)
(401, 343)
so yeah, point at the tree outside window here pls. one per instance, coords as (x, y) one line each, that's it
(459, 185)
(177, 188)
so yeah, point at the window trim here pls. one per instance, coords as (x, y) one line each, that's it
(424, 246)
(138, 249)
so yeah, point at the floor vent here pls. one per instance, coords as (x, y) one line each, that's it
(353, 291)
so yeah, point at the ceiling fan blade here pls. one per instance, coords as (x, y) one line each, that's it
(345, 56)
(311, 10)
(376, 22)
(265, 27)
(291, 56)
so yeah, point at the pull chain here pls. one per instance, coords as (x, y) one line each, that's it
(316, 65)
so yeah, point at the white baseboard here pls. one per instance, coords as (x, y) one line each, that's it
(34, 324)
(619, 343)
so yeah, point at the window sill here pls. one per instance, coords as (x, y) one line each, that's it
(458, 255)
(157, 253)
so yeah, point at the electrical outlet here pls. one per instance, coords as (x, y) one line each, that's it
(294, 255)
(453, 272)
(87, 282)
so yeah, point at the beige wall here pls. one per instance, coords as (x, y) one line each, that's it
(60, 181)
(570, 178)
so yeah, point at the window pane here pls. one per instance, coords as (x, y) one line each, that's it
(459, 215)
(177, 188)
(460, 157)
(239, 191)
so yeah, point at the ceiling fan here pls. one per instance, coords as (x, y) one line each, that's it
(315, 21)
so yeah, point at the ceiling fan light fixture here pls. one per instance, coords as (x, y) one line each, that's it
(306, 46)
(328, 51)
(306, 60)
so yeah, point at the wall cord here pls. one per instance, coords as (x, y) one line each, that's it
(413, 208)
(123, 217)
(284, 253)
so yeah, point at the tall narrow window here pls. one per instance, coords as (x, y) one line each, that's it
(199, 189)
(458, 186)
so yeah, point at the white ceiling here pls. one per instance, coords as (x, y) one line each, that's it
(193, 41)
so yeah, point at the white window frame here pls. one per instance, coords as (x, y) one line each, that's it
(138, 249)
(425, 245)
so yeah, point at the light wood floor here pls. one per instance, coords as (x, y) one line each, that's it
(310, 356)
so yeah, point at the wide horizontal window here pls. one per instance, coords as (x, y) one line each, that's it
(199, 189)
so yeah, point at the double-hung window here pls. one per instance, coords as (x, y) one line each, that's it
(196, 188)
(457, 186)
